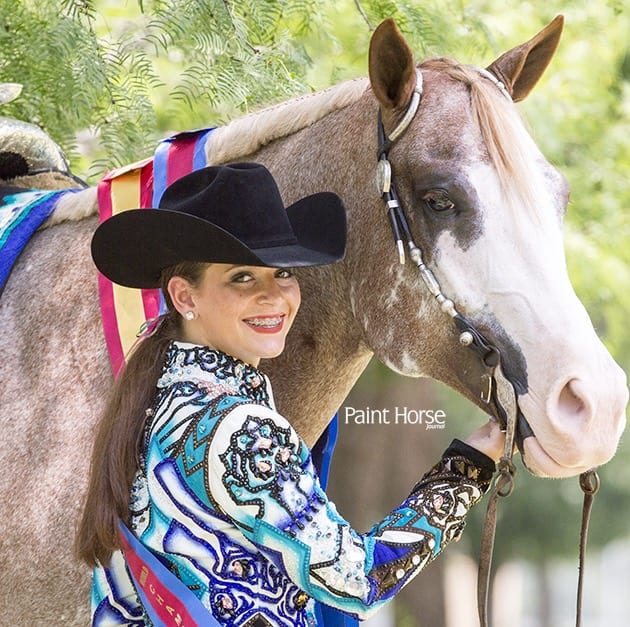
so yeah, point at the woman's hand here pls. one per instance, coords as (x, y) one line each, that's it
(488, 439)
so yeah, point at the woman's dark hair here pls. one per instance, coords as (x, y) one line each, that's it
(119, 438)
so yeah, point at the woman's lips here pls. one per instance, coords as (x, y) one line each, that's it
(266, 324)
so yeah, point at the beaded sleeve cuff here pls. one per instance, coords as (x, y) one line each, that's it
(463, 461)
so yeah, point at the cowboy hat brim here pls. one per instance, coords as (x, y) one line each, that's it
(133, 247)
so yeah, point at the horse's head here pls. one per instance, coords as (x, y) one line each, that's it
(487, 210)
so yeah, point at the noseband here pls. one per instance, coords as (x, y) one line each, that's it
(497, 391)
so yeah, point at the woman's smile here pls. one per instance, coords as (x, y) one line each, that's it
(266, 324)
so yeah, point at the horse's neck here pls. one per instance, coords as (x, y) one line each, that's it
(325, 352)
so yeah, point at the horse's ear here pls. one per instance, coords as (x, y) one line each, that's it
(392, 70)
(520, 68)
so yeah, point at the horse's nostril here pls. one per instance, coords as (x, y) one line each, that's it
(570, 402)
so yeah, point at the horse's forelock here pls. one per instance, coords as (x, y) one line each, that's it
(502, 131)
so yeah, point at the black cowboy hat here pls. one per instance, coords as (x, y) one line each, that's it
(220, 214)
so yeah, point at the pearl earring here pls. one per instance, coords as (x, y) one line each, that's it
(190, 315)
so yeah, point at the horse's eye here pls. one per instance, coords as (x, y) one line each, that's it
(438, 201)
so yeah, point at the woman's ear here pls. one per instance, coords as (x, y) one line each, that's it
(181, 292)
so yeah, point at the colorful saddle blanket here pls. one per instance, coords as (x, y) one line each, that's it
(22, 212)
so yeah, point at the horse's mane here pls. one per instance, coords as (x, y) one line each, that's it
(247, 134)
(499, 123)
(501, 128)
(241, 137)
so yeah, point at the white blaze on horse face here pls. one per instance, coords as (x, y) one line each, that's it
(513, 281)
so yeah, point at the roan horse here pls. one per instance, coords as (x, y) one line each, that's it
(482, 202)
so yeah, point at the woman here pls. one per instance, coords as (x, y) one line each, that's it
(191, 453)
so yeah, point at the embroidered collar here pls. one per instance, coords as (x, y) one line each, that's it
(213, 371)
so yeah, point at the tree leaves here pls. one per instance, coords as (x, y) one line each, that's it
(130, 78)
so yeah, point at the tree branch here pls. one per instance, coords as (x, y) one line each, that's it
(363, 14)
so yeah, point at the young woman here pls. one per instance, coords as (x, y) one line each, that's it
(191, 454)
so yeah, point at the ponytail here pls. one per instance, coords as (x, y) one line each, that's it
(118, 445)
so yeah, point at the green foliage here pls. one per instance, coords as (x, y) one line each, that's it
(432, 28)
(233, 54)
(50, 54)
(131, 76)
(73, 79)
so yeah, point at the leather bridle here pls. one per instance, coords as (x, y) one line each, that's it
(497, 391)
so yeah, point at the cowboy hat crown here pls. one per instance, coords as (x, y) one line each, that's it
(220, 214)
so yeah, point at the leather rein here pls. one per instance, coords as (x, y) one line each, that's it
(497, 392)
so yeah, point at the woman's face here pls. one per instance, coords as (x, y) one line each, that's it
(244, 311)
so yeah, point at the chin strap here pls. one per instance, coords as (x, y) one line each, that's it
(504, 400)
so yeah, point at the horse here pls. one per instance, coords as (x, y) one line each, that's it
(483, 204)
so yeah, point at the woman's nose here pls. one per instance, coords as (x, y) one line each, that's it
(270, 291)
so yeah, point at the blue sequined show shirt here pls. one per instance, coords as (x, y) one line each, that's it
(229, 499)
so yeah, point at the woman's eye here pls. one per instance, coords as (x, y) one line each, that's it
(242, 277)
(439, 202)
(284, 273)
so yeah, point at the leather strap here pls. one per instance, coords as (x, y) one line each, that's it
(504, 484)
(589, 482)
(503, 398)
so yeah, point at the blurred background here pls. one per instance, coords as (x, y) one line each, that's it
(107, 80)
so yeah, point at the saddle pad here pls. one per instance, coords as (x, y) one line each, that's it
(22, 212)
